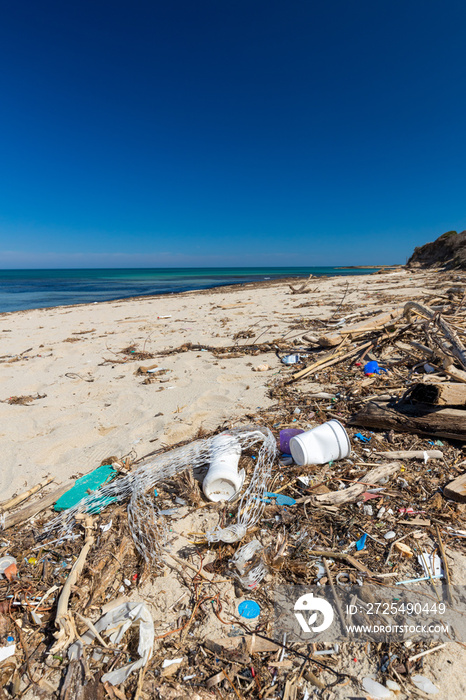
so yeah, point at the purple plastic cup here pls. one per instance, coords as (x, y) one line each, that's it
(285, 437)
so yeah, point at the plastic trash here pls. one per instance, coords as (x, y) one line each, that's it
(291, 359)
(249, 609)
(361, 543)
(390, 535)
(6, 652)
(372, 367)
(285, 437)
(320, 445)
(431, 564)
(223, 480)
(245, 554)
(90, 482)
(283, 500)
(8, 567)
(424, 684)
(116, 622)
(362, 438)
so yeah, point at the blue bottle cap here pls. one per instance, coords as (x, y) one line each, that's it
(249, 609)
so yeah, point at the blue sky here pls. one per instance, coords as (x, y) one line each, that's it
(229, 133)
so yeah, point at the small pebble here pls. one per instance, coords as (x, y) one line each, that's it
(390, 535)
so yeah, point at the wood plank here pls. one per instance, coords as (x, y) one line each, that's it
(445, 394)
(406, 418)
(456, 490)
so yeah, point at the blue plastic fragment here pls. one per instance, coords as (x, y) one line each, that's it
(372, 367)
(155, 492)
(285, 500)
(249, 609)
(269, 494)
(362, 438)
(361, 543)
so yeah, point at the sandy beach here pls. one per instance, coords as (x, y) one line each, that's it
(75, 389)
(92, 404)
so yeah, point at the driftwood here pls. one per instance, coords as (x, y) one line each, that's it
(456, 490)
(29, 511)
(13, 502)
(457, 374)
(445, 394)
(385, 471)
(66, 633)
(456, 347)
(411, 454)
(406, 418)
(303, 288)
(323, 364)
(374, 323)
(107, 569)
(330, 554)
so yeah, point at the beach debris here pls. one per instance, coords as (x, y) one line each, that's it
(249, 609)
(261, 368)
(372, 368)
(223, 480)
(361, 543)
(148, 528)
(323, 444)
(375, 689)
(66, 632)
(404, 549)
(7, 651)
(403, 417)
(285, 437)
(82, 486)
(425, 455)
(431, 564)
(8, 567)
(115, 623)
(424, 684)
(456, 489)
(283, 500)
(378, 475)
(291, 359)
(300, 541)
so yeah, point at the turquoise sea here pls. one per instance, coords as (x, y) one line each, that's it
(37, 289)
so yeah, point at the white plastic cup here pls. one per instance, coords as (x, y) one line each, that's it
(320, 445)
(223, 480)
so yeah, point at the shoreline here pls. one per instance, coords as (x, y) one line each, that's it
(220, 288)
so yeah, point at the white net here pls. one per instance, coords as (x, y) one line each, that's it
(148, 526)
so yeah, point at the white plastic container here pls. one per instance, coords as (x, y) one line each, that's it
(320, 445)
(223, 480)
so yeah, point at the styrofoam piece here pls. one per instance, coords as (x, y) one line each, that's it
(320, 445)
(375, 689)
(6, 652)
(223, 480)
(425, 685)
(431, 564)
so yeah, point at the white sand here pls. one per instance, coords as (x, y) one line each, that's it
(81, 422)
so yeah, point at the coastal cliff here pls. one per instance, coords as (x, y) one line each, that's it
(448, 251)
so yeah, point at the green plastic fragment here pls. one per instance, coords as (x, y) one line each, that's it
(82, 486)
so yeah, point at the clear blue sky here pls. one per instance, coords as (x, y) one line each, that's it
(226, 132)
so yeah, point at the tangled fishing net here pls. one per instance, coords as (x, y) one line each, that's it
(148, 526)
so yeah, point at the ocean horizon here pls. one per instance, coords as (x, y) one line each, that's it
(21, 290)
